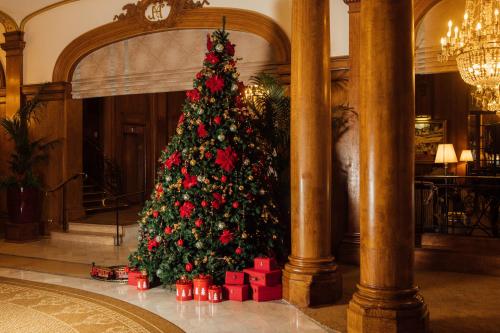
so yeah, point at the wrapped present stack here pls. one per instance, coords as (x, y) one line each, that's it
(235, 288)
(265, 280)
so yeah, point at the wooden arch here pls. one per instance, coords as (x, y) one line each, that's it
(127, 25)
(421, 8)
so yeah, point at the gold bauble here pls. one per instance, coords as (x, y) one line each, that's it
(192, 162)
(180, 131)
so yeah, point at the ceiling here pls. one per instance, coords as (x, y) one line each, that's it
(19, 9)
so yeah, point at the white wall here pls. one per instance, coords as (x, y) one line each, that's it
(49, 33)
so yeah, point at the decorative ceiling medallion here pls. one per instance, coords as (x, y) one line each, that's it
(154, 14)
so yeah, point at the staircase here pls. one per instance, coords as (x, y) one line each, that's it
(99, 234)
(93, 197)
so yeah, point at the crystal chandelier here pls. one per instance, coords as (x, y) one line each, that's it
(476, 46)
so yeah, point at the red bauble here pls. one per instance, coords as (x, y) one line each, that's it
(223, 178)
(212, 58)
(180, 243)
(249, 130)
(217, 120)
(198, 223)
(236, 204)
(189, 267)
(204, 203)
(184, 170)
(168, 230)
(155, 214)
(208, 155)
(238, 250)
(177, 204)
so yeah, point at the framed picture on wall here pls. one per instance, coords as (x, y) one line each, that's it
(428, 135)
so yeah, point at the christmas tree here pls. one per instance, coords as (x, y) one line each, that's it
(212, 208)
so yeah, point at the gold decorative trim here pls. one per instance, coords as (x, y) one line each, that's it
(199, 18)
(43, 10)
(8, 22)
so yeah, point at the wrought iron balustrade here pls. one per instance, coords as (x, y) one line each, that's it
(464, 205)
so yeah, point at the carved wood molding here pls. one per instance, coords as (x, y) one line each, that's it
(181, 16)
(129, 26)
(8, 22)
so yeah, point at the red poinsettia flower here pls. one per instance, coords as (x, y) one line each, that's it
(186, 209)
(202, 131)
(230, 48)
(174, 159)
(209, 43)
(152, 244)
(212, 58)
(226, 159)
(181, 119)
(215, 204)
(193, 95)
(215, 84)
(217, 120)
(168, 230)
(219, 197)
(226, 237)
(189, 181)
(208, 155)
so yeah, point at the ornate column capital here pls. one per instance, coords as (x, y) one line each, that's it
(14, 43)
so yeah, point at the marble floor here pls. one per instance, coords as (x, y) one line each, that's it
(192, 316)
(70, 251)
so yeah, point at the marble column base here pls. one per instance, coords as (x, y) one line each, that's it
(311, 282)
(382, 311)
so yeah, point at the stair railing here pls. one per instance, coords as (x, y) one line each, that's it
(62, 186)
(100, 168)
(117, 199)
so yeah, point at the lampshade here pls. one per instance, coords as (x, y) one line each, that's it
(446, 154)
(466, 156)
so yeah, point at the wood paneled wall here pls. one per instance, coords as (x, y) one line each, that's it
(132, 131)
(445, 96)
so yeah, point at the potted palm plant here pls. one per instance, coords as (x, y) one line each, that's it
(23, 186)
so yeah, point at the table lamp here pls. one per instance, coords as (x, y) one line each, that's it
(445, 154)
(466, 156)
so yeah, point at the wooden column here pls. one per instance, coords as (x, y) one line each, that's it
(311, 277)
(387, 299)
(13, 47)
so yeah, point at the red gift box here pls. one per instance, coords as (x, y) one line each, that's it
(264, 264)
(236, 278)
(142, 282)
(215, 294)
(262, 278)
(133, 276)
(266, 293)
(184, 290)
(236, 293)
(200, 287)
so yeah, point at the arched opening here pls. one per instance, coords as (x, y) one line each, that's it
(131, 84)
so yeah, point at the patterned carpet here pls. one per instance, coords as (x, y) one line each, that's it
(31, 307)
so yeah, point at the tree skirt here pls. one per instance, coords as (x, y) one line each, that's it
(27, 306)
